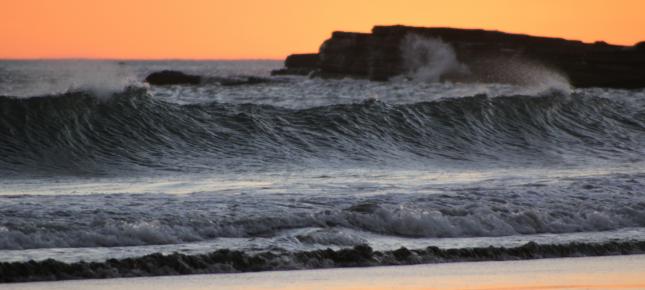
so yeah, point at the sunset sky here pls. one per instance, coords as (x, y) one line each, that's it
(243, 29)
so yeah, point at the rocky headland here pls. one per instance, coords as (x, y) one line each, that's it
(470, 55)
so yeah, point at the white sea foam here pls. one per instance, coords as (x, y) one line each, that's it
(480, 209)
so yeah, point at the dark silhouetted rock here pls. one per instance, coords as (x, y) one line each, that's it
(169, 77)
(293, 71)
(345, 53)
(491, 56)
(640, 45)
(299, 64)
(307, 60)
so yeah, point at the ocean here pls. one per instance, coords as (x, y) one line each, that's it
(102, 175)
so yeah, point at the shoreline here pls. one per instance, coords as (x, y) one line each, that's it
(609, 272)
(231, 261)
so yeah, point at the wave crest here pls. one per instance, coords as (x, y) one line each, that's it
(78, 133)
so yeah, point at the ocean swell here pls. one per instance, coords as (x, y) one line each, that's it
(78, 133)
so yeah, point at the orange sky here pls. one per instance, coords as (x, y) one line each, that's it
(237, 29)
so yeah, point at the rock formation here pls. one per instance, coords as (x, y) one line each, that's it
(299, 64)
(170, 77)
(489, 56)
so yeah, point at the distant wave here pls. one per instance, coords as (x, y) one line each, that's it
(227, 261)
(78, 133)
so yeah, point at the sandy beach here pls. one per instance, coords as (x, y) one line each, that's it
(612, 272)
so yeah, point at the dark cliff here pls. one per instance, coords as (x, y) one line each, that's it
(490, 56)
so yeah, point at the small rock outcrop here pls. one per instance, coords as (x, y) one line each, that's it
(170, 77)
(299, 64)
(490, 56)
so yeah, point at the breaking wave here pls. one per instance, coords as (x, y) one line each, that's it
(79, 133)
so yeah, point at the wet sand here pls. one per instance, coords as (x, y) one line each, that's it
(613, 272)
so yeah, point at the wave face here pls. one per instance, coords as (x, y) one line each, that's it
(78, 133)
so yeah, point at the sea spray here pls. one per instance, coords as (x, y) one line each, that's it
(533, 77)
(101, 78)
(428, 59)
